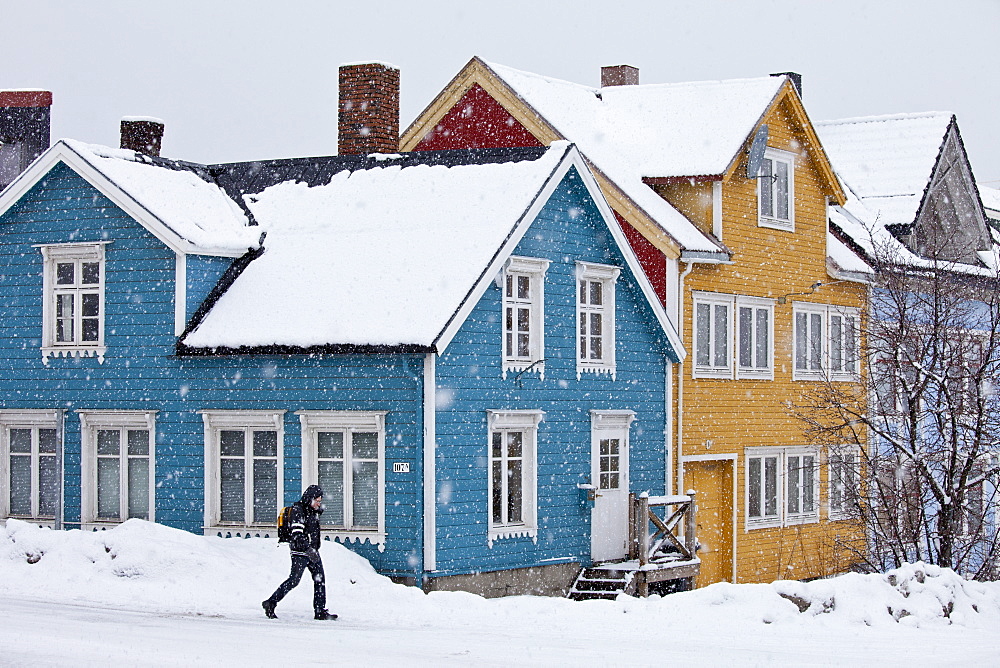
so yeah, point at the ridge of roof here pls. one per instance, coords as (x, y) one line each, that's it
(885, 118)
(671, 84)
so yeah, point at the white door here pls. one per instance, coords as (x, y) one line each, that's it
(609, 464)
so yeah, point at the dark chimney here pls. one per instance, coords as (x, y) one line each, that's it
(796, 80)
(619, 75)
(142, 135)
(24, 130)
(368, 120)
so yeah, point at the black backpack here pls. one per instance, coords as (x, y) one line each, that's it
(285, 524)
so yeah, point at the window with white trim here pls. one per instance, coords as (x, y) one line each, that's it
(344, 453)
(713, 332)
(512, 474)
(117, 472)
(782, 486)
(73, 300)
(29, 447)
(776, 190)
(842, 470)
(595, 316)
(724, 343)
(754, 334)
(523, 313)
(243, 467)
(826, 342)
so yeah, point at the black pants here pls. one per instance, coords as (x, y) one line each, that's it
(299, 565)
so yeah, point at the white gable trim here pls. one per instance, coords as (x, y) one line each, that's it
(62, 153)
(571, 158)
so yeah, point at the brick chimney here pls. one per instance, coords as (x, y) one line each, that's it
(368, 119)
(142, 134)
(619, 75)
(24, 130)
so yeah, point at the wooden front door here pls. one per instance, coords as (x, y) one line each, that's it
(713, 483)
(609, 518)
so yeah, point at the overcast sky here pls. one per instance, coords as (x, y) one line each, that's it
(250, 79)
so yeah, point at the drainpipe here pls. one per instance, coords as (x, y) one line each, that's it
(430, 474)
(680, 381)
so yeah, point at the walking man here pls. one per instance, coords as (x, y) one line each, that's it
(304, 544)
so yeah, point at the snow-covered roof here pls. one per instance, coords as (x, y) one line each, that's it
(886, 160)
(194, 209)
(991, 198)
(376, 257)
(180, 203)
(651, 130)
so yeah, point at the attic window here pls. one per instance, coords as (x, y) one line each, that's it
(775, 190)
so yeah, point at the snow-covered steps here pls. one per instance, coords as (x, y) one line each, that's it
(603, 581)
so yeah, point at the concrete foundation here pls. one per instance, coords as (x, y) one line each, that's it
(554, 580)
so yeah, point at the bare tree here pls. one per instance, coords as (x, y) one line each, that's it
(921, 477)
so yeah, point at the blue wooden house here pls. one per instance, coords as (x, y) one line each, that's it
(459, 346)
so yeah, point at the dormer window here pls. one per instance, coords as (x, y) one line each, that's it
(73, 300)
(775, 190)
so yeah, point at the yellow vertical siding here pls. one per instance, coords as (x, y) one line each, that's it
(727, 416)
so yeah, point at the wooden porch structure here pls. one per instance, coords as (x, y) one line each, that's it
(657, 551)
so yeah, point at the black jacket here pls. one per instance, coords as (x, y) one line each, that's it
(304, 521)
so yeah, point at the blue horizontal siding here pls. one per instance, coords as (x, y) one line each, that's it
(141, 372)
(470, 371)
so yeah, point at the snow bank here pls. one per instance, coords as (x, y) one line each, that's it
(150, 567)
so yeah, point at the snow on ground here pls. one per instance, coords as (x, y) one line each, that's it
(145, 594)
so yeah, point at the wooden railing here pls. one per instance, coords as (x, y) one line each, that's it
(662, 544)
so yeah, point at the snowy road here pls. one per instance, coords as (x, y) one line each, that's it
(45, 633)
(146, 595)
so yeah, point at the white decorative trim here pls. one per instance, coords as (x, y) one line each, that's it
(527, 421)
(611, 419)
(51, 254)
(535, 269)
(215, 421)
(313, 421)
(500, 533)
(607, 275)
(180, 294)
(429, 462)
(360, 537)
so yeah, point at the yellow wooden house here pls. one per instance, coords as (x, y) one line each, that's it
(767, 300)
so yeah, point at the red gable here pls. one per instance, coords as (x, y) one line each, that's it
(476, 120)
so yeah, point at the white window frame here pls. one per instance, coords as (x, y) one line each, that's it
(533, 271)
(217, 421)
(607, 276)
(827, 315)
(93, 421)
(714, 302)
(33, 420)
(347, 422)
(605, 424)
(783, 516)
(53, 255)
(773, 156)
(756, 305)
(526, 422)
(841, 460)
